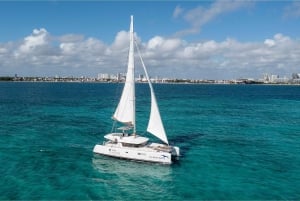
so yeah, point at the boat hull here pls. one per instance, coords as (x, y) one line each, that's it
(134, 153)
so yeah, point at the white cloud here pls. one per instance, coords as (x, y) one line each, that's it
(161, 44)
(40, 53)
(71, 38)
(3, 50)
(155, 42)
(178, 11)
(121, 40)
(39, 37)
(67, 48)
(226, 59)
(200, 16)
(281, 38)
(269, 42)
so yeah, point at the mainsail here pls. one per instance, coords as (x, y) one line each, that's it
(125, 111)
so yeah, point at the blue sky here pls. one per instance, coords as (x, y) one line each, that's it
(185, 39)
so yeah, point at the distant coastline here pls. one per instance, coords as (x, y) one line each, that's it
(156, 80)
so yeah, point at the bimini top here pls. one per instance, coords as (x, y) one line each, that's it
(132, 139)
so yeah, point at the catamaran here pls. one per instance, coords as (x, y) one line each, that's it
(124, 142)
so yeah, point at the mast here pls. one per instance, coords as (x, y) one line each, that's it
(131, 57)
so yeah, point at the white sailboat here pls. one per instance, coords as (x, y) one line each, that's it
(127, 143)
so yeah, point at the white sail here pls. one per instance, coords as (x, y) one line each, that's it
(125, 111)
(155, 125)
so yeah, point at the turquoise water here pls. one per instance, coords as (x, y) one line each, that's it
(239, 142)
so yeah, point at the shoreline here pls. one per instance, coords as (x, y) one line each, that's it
(175, 83)
(154, 81)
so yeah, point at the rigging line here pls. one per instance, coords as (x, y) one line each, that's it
(142, 61)
(113, 129)
(145, 70)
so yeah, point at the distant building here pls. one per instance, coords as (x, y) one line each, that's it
(141, 77)
(282, 80)
(295, 76)
(267, 78)
(119, 77)
(103, 76)
(274, 78)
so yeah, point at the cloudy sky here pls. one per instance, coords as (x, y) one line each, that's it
(222, 39)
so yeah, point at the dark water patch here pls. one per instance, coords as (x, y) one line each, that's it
(186, 141)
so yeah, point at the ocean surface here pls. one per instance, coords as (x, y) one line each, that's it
(238, 142)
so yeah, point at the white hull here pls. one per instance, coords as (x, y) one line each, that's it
(157, 153)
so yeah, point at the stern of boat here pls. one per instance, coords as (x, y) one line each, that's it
(175, 152)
